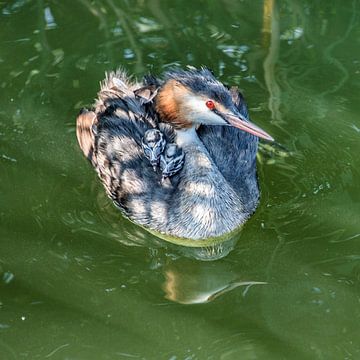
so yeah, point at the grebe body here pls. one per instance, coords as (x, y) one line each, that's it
(177, 155)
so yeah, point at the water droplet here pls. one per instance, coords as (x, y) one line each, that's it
(316, 290)
(8, 277)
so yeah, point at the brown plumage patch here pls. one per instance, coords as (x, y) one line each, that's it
(168, 100)
(84, 133)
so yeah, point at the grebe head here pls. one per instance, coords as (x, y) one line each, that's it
(153, 144)
(195, 97)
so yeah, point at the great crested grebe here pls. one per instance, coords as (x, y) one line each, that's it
(178, 155)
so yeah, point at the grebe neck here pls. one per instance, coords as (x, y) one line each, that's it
(186, 137)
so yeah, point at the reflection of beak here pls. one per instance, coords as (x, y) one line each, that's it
(241, 123)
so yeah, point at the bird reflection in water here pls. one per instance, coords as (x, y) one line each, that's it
(190, 282)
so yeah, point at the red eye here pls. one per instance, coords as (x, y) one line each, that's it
(210, 104)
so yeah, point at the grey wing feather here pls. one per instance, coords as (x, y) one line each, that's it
(122, 120)
(85, 122)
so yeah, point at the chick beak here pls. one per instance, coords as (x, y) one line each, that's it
(241, 123)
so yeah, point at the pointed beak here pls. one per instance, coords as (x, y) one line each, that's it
(241, 123)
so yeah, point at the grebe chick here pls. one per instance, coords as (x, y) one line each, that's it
(153, 144)
(171, 161)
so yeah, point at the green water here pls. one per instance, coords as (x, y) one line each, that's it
(78, 281)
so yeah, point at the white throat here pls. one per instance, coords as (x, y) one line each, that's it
(186, 137)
